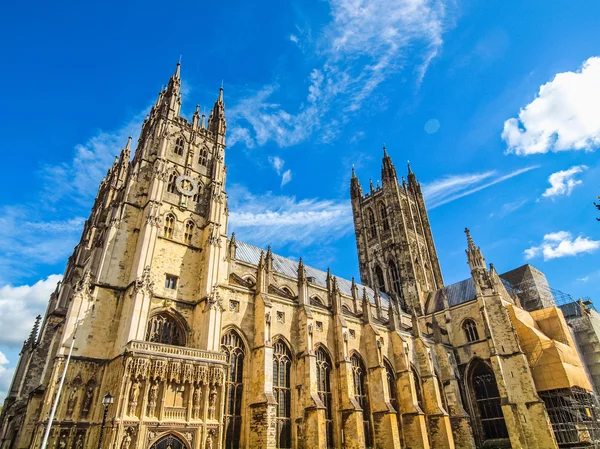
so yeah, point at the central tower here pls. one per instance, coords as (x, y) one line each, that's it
(396, 253)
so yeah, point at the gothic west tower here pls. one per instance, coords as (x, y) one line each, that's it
(396, 252)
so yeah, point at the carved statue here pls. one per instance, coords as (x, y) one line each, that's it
(212, 400)
(133, 396)
(78, 442)
(87, 399)
(72, 402)
(197, 400)
(126, 441)
(152, 398)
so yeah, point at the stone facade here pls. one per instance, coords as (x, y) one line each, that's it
(208, 342)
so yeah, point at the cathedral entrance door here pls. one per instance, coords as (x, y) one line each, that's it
(169, 442)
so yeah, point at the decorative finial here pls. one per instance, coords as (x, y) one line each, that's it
(128, 145)
(469, 239)
(409, 169)
(353, 173)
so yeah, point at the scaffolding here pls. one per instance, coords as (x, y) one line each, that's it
(574, 416)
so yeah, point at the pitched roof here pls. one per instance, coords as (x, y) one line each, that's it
(288, 267)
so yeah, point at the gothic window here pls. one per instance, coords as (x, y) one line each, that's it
(372, 226)
(196, 197)
(470, 328)
(172, 185)
(168, 442)
(416, 218)
(189, 232)
(380, 279)
(391, 380)
(203, 156)
(359, 374)
(163, 328)
(233, 347)
(396, 280)
(282, 363)
(407, 216)
(179, 146)
(484, 392)
(384, 217)
(324, 367)
(169, 226)
(418, 390)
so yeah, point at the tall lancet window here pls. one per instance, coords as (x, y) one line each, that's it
(163, 328)
(384, 217)
(380, 279)
(324, 367)
(232, 345)
(359, 374)
(372, 225)
(282, 362)
(178, 150)
(396, 280)
(487, 402)
(172, 184)
(203, 156)
(189, 232)
(169, 226)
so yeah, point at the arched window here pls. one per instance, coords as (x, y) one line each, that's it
(384, 217)
(163, 328)
(442, 391)
(179, 146)
(232, 345)
(203, 156)
(324, 367)
(282, 362)
(407, 216)
(391, 380)
(168, 442)
(380, 279)
(169, 226)
(470, 328)
(418, 390)
(396, 280)
(360, 394)
(316, 301)
(484, 393)
(172, 185)
(196, 197)
(372, 226)
(416, 219)
(189, 232)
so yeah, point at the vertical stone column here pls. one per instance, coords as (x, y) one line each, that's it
(353, 435)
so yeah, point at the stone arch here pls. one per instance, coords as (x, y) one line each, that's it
(325, 379)
(418, 385)
(233, 344)
(286, 342)
(316, 300)
(167, 326)
(162, 441)
(470, 329)
(484, 401)
(361, 394)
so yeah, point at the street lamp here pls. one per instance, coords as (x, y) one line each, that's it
(106, 401)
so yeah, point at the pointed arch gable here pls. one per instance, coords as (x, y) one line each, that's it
(175, 433)
(240, 333)
(283, 339)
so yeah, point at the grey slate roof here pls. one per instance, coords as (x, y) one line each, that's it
(288, 267)
(457, 293)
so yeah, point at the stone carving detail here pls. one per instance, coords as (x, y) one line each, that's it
(134, 395)
(62, 440)
(88, 398)
(212, 402)
(188, 372)
(78, 442)
(214, 301)
(159, 369)
(126, 442)
(197, 402)
(175, 372)
(72, 401)
(144, 282)
(152, 398)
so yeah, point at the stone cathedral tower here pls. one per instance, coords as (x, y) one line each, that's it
(396, 252)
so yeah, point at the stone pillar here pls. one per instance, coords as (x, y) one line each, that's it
(353, 435)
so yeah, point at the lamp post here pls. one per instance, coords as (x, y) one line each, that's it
(106, 401)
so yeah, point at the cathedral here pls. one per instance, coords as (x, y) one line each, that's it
(168, 333)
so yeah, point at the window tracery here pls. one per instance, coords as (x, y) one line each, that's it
(282, 363)
(189, 232)
(372, 225)
(203, 156)
(178, 150)
(324, 368)
(487, 402)
(384, 217)
(233, 347)
(163, 328)
(360, 394)
(470, 328)
(172, 184)
(169, 226)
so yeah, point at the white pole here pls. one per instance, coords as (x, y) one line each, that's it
(62, 381)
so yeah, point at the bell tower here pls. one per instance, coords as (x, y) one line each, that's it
(396, 252)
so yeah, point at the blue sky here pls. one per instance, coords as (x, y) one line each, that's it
(496, 105)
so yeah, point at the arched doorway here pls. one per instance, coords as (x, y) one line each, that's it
(169, 441)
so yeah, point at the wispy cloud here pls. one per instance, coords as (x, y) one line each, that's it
(6, 375)
(563, 182)
(365, 43)
(564, 115)
(286, 177)
(453, 187)
(561, 244)
(280, 220)
(508, 208)
(277, 163)
(79, 178)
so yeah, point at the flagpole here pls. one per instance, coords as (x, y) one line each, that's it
(56, 399)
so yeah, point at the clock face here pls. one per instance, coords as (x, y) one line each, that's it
(186, 185)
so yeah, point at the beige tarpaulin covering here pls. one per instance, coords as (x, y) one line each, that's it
(549, 347)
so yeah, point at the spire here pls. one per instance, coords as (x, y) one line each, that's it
(412, 179)
(177, 74)
(366, 307)
(216, 121)
(196, 117)
(474, 256)
(388, 170)
(355, 187)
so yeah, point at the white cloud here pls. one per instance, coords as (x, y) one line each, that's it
(453, 187)
(19, 305)
(365, 42)
(277, 164)
(6, 375)
(563, 182)
(561, 244)
(280, 220)
(286, 177)
(564, 115)
(294, 38)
